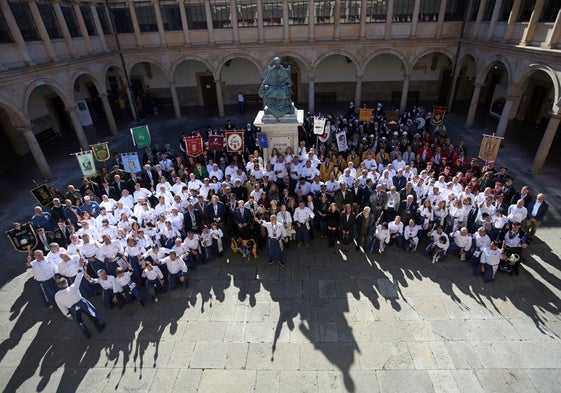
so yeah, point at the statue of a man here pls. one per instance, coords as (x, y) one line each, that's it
(276, 90)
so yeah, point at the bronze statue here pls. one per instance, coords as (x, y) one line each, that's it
(276, 90)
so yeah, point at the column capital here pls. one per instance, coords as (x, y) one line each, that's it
(358, 77)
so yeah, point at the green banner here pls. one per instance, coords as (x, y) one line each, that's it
(140, 136)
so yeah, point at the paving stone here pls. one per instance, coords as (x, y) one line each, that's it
(327, 288)
(299, 381)
(204, 331)
(385, 356)
(188, 380)
(219, 355)
(286, 356)
(387, 288)
(213, 381)
(443, 381)
(404, 381)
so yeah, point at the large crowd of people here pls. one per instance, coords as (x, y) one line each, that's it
(403, 182)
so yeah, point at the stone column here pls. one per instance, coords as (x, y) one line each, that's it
(98, 27)
(260, 31)
(311, 20)
(160, 23)
(36, 151)
(311, 93)
(15, 32)
(72, 113)
(109, 114)
(362, 28)
(415, 18)
(219, 97)
(235, 26)
(42, 30)
(63, 28)
(209, 24)
(82, 27)
(553, 39)
(545, 144)
(184, 22)
(512, 20)
(450, 102)
(505, 116)
(473, 105)
(132, 103)
(479, 18)
(285, 25)
(358, 92)
(135, 25)
(528, 35)
(441, 17)
(494, 18)
(337, 20)
(389, 17)
(175, 100)
(404, 93)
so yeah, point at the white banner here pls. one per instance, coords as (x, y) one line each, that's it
(83, 113)
(319, 126)
(342, 141)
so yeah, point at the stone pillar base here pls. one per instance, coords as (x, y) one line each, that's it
(281, 133)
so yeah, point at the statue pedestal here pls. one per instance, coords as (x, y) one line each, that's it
(281, 133)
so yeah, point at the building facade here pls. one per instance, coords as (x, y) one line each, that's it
(498, 56)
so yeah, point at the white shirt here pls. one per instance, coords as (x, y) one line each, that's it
(70, 268)
(463, 242)
(153, 274)
(490, 257)
(108, 284)
(68, 297)
(43, 270)
(395, 228)
(517, 214)
(175, 266)
(276, 231)
(303, 215)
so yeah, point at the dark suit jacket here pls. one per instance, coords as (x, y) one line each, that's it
(407, 213)
(146, 183)
(541, 210)
(342, 201)
(378, 202)
(118, 189)
(211, 215)
(245, 218)
(188, 224)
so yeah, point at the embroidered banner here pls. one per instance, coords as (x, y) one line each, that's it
(194, 146)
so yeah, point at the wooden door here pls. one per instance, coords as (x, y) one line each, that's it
(208, 88)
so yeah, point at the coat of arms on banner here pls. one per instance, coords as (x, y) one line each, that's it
(489, 148)
(215, 143)
(42, 194)
(141, 136)
(365, 115)
(437, 118)
(101, 151)
(86, 163)
(23, 237)
(194, 146)
(234, 141)
(131, 163)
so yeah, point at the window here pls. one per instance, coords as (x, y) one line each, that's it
(324, 11)
(506, 7)
(49, 20)
(298, 12)
(88, 19)
(474, 10)
(146, 16)
(272, 12)
(247, 13)
(102, 14)
(428, 11)
(24, 19)
(171, 17)
(455, 10)
(550, 11)
(350, 11)
(488, 13)
(402, 11)
(70, 19)
(5, 36)
(376, 11)
(122, 18)
(196, 15)
(221, 16)
(526, 9)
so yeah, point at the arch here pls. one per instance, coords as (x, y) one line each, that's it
(162, 68)
(90, 76)
(383, 51)
(332, 52)
(119, 70)
(463, 58)
(303, 62)
(50, 83)
(176, 63)
(426, 52)
(489, 63)
(549, 71)
(15, 113)
(237, 55)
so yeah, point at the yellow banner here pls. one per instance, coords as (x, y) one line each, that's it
(365, 115)
(489, 149)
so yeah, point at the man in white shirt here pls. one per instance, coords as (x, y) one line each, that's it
(72, 305)
(177, 270)
(108, 286)
(488, 262)
(517, 212)
(43, 273)
(276, 233)
(303, 217)
(462, 241)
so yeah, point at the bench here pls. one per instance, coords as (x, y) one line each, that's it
(326, 97)
(252, 98)
(47, 136)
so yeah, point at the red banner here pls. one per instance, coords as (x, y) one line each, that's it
(215, 143)
(437, 118)
(234, 141)
(194, 146)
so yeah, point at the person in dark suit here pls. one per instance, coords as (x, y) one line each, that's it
(149, 177)
(243, 219)
(347, 227)
(215, 210)
(108, 190)
(132, 181)
(61, 234)
(343, 196)
(357, 193)
(536, 214)
(378, 200)
(524, 194)
(399, 181)
(364, 222)
(192, 220)
(118, 186)
(407, 209)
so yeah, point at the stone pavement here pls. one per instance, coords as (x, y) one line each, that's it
(327, 322)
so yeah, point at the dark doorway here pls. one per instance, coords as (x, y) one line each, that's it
(535, 105)
(494, 80)
(208, 88)
(294, 77)
(7, 153)
(445, 82)
(61, 115)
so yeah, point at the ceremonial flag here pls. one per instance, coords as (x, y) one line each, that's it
(131, 163)
(263, 143)
(234, 141)
(86, 163)
(215, 143)
(194, 146)
(437, 118)
(326, 132)
(489, 148)
(101, 151)
(140, 136)
(23, 237)
(319, 126)
(42, 194)
(365, 115)
(342, 141)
